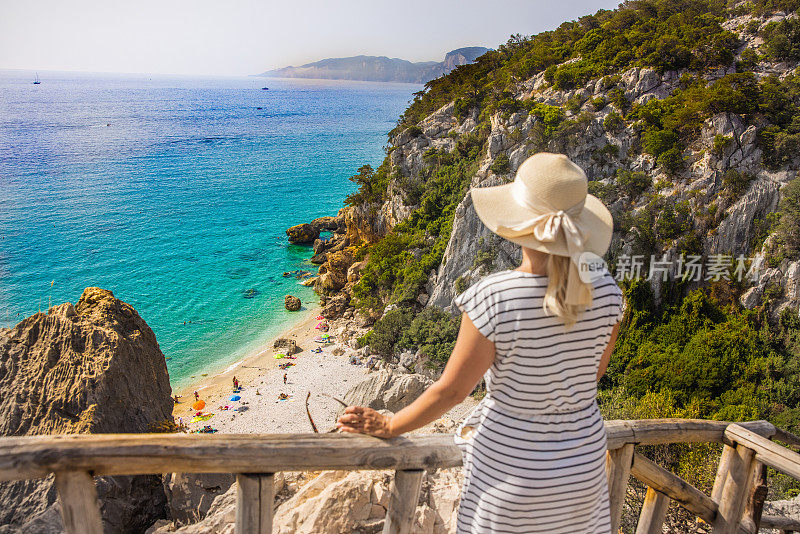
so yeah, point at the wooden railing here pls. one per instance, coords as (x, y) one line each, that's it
(734, 505)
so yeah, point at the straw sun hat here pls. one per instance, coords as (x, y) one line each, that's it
(548, 208)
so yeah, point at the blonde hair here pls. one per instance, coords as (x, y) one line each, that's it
(553, 303)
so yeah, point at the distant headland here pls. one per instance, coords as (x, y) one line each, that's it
(379, 68)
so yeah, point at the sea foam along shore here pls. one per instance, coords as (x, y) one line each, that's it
(259, 409)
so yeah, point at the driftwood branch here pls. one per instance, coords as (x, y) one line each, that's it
(308, 412)
(340, 401)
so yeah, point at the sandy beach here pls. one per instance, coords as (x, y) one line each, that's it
(323, 375)
(261, 380)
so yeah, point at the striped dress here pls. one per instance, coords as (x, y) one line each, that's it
(534, 448)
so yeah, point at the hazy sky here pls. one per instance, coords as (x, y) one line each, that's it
(249, 36)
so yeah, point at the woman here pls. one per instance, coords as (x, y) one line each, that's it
(534, 447)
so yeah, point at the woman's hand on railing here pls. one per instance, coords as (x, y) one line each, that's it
(363, 420)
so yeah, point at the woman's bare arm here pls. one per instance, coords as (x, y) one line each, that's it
(471, 357)
(601, 370)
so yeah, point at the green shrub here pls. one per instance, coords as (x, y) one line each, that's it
(372, 185)
(735, 184)
(460, 285)
(387, 331)
(782, 40)
(657, 142)
(392, 274)
(500, 164)
(434, 333)
(598, 103)
(632, 184)
(414, 131)
(721, 142)
(671, 160)
(748, 60)
(719, 362)
(613, 122)
(788, 226)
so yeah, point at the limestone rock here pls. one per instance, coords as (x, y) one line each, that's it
(190, 495)
(469, 239)
(291, 303)
(327, 224)
(737, 230)
(336, 306)
(354, 271)
(387, 391)
(95, 367)
(302, 233)
(286, 345)
(333, 273)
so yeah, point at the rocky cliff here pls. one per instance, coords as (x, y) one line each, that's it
(379, 68)
(92, 367)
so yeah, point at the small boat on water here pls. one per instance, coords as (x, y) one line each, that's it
(36, 80)
(265, 88)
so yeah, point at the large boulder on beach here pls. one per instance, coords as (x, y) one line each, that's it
(286, 345)
(93, 367)
(302, 233)
(291, 303)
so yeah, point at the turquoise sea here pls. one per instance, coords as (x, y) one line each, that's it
(174, 193)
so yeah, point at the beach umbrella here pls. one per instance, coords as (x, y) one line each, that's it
(235, 398)
(199, 405)
(279, 356)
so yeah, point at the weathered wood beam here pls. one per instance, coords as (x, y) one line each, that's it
(403, 501)
(658, 431)
(779, 522)
(653, 512)
(79, 509)
(135, 454)
(618, 471)
(255, 496)
(767, 452)
(735, 490)
(674, 487)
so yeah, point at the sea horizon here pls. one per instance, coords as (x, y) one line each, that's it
(174, 192)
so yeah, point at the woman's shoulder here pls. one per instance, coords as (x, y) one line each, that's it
(488, 285)
(502, 279)
(606, 283)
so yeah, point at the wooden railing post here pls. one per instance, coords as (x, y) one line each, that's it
(403, 501)
(618, 471)
(255, 496)
(758, 494)
(735, 488)
(653, 512)
(79, 509)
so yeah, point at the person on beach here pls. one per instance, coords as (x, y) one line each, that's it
(235, 384)
(284, 378)
(196, 396)
(541, 335)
